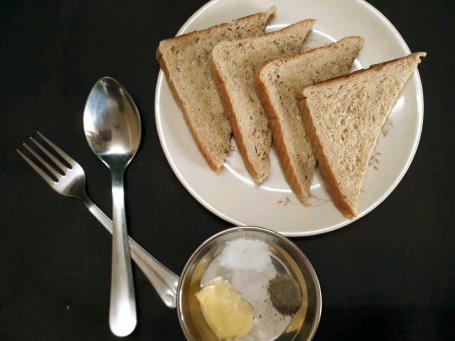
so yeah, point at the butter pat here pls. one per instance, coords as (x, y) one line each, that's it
(225, 311)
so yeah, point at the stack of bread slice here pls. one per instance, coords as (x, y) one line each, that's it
(233, 78)
(185, 61)
(277, 83)
(234, 65)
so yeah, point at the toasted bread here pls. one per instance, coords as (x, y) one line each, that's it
(343, 119)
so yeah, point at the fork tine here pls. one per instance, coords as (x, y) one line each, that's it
(52, 157)
(46, 177)
(43, 162)
(58, 150)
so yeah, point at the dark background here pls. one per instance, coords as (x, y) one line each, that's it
(389, 275)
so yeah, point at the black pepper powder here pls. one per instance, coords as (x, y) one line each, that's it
(285, 294)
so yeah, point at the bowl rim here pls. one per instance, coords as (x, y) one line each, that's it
(312, 272)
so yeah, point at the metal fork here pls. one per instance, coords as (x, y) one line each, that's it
(70, 182)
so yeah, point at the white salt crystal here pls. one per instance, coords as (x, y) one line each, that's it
(245, 254)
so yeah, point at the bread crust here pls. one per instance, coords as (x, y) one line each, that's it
(339, 199)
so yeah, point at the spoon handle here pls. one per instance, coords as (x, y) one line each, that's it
(163, 280)
(122, 311)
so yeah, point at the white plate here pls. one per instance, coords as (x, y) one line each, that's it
(231, 194)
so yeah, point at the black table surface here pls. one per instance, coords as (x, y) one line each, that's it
(389, 275)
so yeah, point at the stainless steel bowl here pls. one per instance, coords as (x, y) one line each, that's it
(285, 255)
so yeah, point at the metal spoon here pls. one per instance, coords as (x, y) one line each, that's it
(112, 127)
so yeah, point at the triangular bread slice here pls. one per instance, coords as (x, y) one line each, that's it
(234, 65)
(185, 62)
(343, 119)
(277, 82)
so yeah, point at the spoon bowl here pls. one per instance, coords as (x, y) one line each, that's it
(112, 127)
(112, 123)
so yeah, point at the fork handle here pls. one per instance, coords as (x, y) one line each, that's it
(163, 280)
